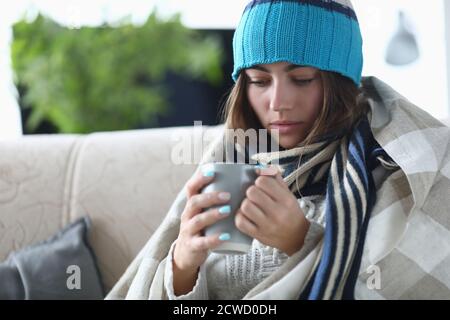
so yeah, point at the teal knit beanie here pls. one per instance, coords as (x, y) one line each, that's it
(323, 34)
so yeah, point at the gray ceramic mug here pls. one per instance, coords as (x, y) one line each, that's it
(234, 178)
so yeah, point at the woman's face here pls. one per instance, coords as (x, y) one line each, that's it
(286, 97)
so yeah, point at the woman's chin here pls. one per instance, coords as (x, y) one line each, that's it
(288, 142)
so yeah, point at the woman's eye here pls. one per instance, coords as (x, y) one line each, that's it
(303, 82)
(258, 83)
(263, 83)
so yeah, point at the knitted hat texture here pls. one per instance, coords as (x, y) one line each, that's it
(324, 34)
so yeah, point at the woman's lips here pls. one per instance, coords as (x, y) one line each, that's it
(286, 128)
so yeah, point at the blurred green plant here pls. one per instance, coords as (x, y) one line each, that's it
(106, 78)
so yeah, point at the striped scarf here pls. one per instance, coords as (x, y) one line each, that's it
(338, 167)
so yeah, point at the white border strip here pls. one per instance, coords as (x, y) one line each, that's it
(447, 37)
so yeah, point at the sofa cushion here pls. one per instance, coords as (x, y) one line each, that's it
(62, 267)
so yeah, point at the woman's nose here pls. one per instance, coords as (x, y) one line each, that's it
(280, 98)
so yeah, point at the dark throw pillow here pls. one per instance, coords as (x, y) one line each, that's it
(62, 267)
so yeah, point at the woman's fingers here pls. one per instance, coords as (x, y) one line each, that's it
(245, 225)
(206, 243)
(270, 187)
(202, 220)
(272, 183)
(197, 203)
(255, 196)
(199, 180)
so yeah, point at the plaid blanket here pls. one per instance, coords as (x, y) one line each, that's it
(408, 237)
(406, 253)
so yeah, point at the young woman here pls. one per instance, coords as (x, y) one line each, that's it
(340, 204)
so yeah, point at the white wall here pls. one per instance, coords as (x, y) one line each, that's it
(424, 82)
(206, 14)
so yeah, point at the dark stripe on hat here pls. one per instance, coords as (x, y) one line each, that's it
(326, 4)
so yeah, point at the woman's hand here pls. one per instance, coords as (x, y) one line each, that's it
(192, 247)
(271, 214)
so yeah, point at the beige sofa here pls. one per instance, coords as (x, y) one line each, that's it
(125, 181)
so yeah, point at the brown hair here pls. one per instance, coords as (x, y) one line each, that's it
(343, 106)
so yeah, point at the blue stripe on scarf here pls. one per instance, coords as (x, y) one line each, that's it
(356, 159)
(361, 154)
(358, 199)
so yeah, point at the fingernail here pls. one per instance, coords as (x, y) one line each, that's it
(224, 237)
(208, 173)
(269, 171)
(224, 196)
(225, 210)
(208, 170)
